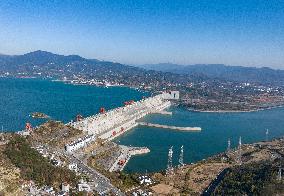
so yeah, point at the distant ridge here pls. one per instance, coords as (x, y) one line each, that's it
(225, 72)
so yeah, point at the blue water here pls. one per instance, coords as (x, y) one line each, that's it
(20, 97)
(216, 129)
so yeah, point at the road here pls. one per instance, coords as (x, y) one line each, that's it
(211, 188)
(100, 183)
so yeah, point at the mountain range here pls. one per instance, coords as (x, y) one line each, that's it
(264, 75)
(46, 64)
(42, 63)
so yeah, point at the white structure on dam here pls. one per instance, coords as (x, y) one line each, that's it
(113, 123)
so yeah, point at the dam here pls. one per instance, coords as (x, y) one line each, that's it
(109, 125)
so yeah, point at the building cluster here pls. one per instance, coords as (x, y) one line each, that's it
(54, 160)
(143, 190)
(145, 180)
(33, 189)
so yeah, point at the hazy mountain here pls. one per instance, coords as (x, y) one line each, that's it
(235, 73)
(46, 64)
(44, 61)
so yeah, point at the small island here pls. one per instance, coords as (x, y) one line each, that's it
(39, 115)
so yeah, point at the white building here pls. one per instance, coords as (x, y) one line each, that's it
(84, 187)
(171, 95)
(80, 143)
(65, 187)
(73, 167)
(49, 190)
(145, 180)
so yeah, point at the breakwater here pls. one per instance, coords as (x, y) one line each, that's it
(189, 129)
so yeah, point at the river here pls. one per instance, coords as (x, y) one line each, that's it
(21, 97)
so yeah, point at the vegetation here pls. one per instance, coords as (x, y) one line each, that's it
(35, 167)
(251, 179)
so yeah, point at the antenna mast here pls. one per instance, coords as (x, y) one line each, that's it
(266, 135)
(170, 161)
(240, 151)
(181, 157)
(229, 145)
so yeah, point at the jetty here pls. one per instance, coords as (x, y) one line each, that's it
(187, 129)
(163, 112)
(126, 154)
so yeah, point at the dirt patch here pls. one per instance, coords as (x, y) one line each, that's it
(201, 176)
(163, 189)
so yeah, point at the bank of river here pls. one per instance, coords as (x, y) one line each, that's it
(21, 97)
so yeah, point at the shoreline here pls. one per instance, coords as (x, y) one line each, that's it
(234, 111)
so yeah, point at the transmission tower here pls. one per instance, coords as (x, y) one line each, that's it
(240, 151)
(280, 173)
(229, 145)
(266, 135)
(170, 161)
(181, 157)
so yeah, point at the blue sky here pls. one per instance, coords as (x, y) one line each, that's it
(235, 32)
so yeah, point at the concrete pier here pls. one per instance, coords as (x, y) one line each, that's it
(163, 112)
(187, 129)
(125, 156)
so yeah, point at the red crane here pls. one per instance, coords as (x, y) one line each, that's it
(102, 110)
(128, 102)
(28, 126)
(79, 117)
